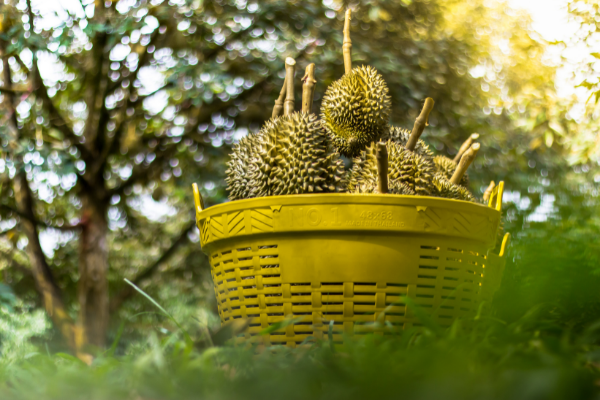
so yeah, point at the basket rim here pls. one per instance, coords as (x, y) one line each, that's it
(346, 198)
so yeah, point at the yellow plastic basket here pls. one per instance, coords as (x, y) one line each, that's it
(350, 259)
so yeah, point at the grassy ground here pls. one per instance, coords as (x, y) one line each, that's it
(532, 358)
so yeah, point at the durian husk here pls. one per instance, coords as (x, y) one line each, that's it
(394, 188)
(305, 162)
(289, 155)
(401, 136)
(406, 167)
(446, 167)
(442, 187)
(356, 109)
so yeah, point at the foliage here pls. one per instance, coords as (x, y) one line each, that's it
(533, 357)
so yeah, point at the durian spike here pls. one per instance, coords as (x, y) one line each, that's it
(278, 108)
(464, 163)
(347, 44)
(381, 155)
(420, 124)
(467, 143)
(488, 191)
(308, 88)
(290, 69)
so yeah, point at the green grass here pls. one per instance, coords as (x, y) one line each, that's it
(532, 358)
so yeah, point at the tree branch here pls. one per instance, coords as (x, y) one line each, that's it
(147, 272)
(37, 222)
(55, 117)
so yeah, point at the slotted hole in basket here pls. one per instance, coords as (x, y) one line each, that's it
(234, 298)
(243, 249)
(269, 256)
(427, 276)
(427, 267)
(451, 269)
(453, 259)
(448, 297)
(465, 309)
(216, 265)
(395, 314)
(332, 293)
(449, 278)
(245, 268)
(428, 296)
(274, 285)
(275, 305)
(358, 303)
(364, 283)
(301, 304)
(251, 305)
(254, 325)
(430, 248)
(300, 294)
(275, 314)
(398, 284)
(245, 258)
(303, 313)
(271, 276)
(445, 316)
(467, 300)
(455, 250)
(333, 313)
(235, 308)
(216, 255)
(226, 252)
(448, 287)
(425, 286)
(251, 296)
(269, 246)
(231, 280)
(447, 307)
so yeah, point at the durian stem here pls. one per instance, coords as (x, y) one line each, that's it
(381, 155)
(464, 163)
(467, 143)
(308, 88)
(278, 108)
(420, 124)
(347, 44)
(488, 191)
(290, 69)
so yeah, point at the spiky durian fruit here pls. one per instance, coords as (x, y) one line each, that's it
(442, 187)
(304, 161)
(401, 135)
(446, 167)
(243, 166)
(356, 109)
(393, 188)
(411, 169)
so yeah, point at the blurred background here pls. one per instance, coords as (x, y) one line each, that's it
(112, 109)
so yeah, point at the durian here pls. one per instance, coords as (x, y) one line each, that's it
(401, 136)
(356, 109)
(290, 155)
(444, 188)
(446, 167)
(303, 160)
(411, 169)
(393, 188)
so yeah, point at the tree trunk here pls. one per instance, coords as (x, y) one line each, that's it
(41, 272)
(93, 271)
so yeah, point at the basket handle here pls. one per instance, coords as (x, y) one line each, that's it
(198, 200)
(504, 245)
(496, 197)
